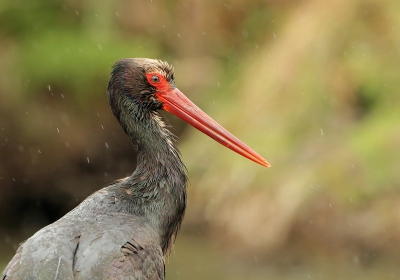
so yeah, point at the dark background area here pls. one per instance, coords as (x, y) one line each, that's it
(313, 86)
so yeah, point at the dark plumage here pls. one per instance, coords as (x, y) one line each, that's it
(124, 231)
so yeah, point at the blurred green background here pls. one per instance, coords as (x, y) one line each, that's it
(313, 86)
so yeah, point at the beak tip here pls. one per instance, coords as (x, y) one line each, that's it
(266, 164)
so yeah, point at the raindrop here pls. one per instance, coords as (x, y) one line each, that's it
(13, 179)
(39, 151)
(58, 130)
(62, 95)
(102, 126)
(330, 205)
(106, 144)
(87, 159)
(179, 35)
(322, 132)
(49, 87)
(77, 13)
(100, 47)
(204, 33)
(117, 14)
(274, 35)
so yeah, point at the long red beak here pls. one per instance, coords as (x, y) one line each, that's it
(178, 104)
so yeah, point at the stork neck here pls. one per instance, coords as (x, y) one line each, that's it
(159, 181)
(147, 130)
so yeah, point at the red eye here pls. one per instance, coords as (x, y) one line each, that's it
(158, 81)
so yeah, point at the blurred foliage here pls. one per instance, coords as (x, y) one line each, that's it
(311, 85)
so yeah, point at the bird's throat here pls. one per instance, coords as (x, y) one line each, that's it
(159, 182)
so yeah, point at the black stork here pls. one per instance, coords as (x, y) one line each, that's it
(125, 230)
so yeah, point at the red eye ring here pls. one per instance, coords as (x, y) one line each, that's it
(155, 79)
(158, 81)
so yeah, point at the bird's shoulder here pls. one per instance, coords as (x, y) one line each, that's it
(135, 260)
(118, 249)
(13, 266)
(94, 238)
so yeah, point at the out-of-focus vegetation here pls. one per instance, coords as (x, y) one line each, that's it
(312, 85)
